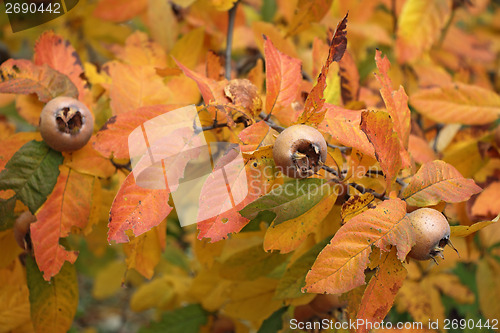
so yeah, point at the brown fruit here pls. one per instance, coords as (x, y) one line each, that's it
(66, 124)
(21, 228)
(303, 312)
(432, 232)
(324, 303)
(223, 324)
(299, 151)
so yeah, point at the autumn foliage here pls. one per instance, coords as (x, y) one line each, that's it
(406, 93)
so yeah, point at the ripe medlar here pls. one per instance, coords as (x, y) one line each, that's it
(432, 233)
(299, 151)
(66, 124)
(22, 227)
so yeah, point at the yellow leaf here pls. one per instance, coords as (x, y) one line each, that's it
(222, 5)
(253, 300)
(163, 293)
(14, 302)
(464, 231)
(109, 280)
(163, 26)
(419, 26)
(288, 235)
(187, 50)
(488, 271)
(8, 248)
(143, 252)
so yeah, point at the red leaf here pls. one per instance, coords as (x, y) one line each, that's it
(396, 102)
(381, 290)
(136, 208)
(283, 77)
(112, 139)
(340, 266)
(211, 90)
(256, 135)
(313, 108)
(24, 77)
(53, 50)
(68, 206)
(438, 181)
(378, 128)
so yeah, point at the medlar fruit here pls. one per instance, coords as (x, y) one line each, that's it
(22, 227)
(66, 124)
(432, 232)
(299, 151)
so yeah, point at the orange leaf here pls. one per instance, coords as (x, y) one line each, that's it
(136, 208)
(381, 290)
(340, 266)
(9, 146)
(458, 103)
(69, 205)
(379, 130)
(140, 50)
(396, 101)
(88, 161)
(256, 136)
(119, 10)
(53, 50)
(112, 139)
(314, 112)
(343, 126)
(420, 150)
(438, 181)
(215, 71)
(136, 86)
(283, 77)
(488, 202)
(23, 77)
(419, 25)
(211, 90)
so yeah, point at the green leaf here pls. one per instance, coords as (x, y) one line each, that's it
(274, 323)
(294, 278)
(53, 304)
(7, 216)
(182, 320)
(32, 173)
(290, 200)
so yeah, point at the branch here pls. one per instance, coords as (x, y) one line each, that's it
(363, 189)
(229, 38)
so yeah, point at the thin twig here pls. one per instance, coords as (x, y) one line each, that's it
(271, 123)
(127, 166)
(330, 170)
(363, 189)
(341, 148)
(229, 38)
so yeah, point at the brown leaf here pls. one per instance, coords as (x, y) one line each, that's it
(24, 77)
(245, 95)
